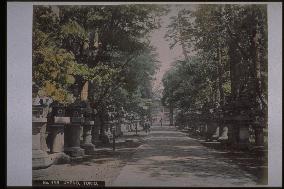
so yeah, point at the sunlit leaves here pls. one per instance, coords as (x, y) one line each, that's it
(101, 74)
(73, 30)
(76, 44)
(56, 92)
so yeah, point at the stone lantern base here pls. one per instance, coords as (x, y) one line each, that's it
(259, 136)
(87, 138)
(40, 158)
(238, 135)
(224, 134)
(56, 138)
(89, 148)
(212, 132)
(72, 140)
(95, 134)
(243, 136)
(74, 151)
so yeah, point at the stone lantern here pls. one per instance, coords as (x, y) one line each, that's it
(96, 129)
(224, 128)
(40, 158)
(56, 122)
(87, 129)
(110, 125)
(259, 125)
(211, 122)
(72, 130)
(238, 117)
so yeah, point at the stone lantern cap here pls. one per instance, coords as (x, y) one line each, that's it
(58, 114)
(40, 109)
(76, 111)
(39, 113)
(58, 109)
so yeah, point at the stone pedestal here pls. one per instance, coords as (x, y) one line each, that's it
(40, 158)
(216, 132)
(123, 128)
(72, 140)
(212, 130)
(95, 134)
(238, 135)
(96, 131)
(224, 134)
(106, 136)
(109, 133)
(56, 138)
(87, 137)
(131, 126)
(118, 130)
(205, 128)
(209, 132)
(128, 126)
(43, 141)
(81, 133)
(136, 127)
(259, 136)
(243, 135)
(233, 133)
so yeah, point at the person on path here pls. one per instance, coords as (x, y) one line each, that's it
(161, 121)
(147, 126)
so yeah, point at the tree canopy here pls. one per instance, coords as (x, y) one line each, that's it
(106, 47)
(225, 57)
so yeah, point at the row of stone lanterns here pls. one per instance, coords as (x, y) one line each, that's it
(63, 125)
(239, 115)
(230, 123)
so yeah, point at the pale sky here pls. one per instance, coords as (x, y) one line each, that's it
(166, 55)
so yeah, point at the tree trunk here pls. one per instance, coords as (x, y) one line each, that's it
(259, 137)
(257, 70)
(184, 51)
(91, 91)
(234, 72)
(220, 77)
(182, 38)
(85, 91)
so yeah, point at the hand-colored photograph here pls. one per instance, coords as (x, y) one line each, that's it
(168, 95)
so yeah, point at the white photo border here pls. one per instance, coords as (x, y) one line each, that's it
(19, 87)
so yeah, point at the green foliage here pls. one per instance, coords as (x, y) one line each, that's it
(56, 69)
(226, 55)
(57, 93)
(104, 45)
(186, 85)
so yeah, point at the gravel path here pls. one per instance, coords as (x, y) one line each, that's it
(104, 165)
(170, 158)
(167, 158)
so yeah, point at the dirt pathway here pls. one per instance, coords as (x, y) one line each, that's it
(170, 158)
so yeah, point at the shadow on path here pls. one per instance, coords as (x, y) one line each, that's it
(170, 158)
